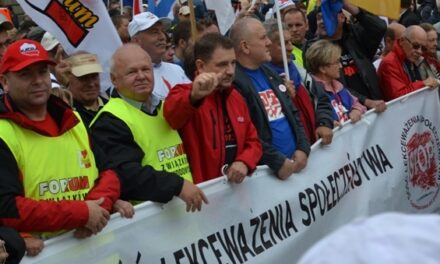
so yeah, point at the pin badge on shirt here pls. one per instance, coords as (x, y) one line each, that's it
(282, 88)
(240, 119)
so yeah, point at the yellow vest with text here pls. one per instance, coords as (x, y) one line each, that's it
(162, 145)
(52, 168)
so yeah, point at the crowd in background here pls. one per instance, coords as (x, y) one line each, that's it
(187, 107)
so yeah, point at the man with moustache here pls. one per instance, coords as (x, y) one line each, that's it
(212, 117)
(146, 30)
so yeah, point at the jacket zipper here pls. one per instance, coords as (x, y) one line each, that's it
(214, 144)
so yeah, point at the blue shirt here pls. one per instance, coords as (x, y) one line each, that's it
(283, 138)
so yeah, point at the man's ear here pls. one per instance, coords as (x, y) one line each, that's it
(4, 82)
(182, 43)
(244, 47)
(200, 65)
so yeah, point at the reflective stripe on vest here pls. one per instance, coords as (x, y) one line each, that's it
(162, 145)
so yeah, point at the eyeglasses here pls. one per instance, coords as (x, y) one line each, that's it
(415, 46)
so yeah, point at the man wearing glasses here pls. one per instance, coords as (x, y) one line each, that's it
(398, 73)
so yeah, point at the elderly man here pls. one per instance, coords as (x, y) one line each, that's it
(146, 29)
(51, 179)
(212, 117)
(84, 84)
(147, 154)
(398, 72)
(285, 146)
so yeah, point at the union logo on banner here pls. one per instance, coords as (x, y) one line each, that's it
(420, 146)
(72, 17)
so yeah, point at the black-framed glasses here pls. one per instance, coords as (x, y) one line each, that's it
(415, 46)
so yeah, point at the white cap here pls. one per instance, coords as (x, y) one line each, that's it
(49, 41)
(184, 11)
(283, 4)
(144, 21)
(385, 238)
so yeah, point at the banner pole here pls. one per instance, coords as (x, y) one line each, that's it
(192, 18)
(283, 45)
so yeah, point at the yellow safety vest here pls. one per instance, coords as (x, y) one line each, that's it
(298, 53)
(53, 168)
(162, 145)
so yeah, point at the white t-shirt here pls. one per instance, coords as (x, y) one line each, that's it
(166, 76)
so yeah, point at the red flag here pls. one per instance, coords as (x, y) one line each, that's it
(137, 7)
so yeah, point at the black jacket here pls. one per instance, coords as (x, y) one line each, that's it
(86, 115)
(14, 244)
(362, 39)
(142, 183)
(271, 156)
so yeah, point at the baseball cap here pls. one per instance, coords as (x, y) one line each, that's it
(5, 24)
(49, 41)
(82, 64)
(184, 11)
(144, 21)
(23, 53)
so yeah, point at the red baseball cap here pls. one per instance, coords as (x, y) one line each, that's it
(23, 53)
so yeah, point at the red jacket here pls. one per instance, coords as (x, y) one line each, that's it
(28, 215)
(202, 130)
(394, 81)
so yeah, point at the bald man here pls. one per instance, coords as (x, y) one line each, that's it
(398, 73)
(146, 152)
(394, 32)
(285, 146)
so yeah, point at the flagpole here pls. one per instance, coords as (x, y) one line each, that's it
(192, 18)
(121, 3)
(283, 44)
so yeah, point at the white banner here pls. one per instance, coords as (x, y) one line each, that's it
(79, 25)
(385, 162)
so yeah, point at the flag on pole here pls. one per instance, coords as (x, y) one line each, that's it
(388, 8)
(78, 25)
(224, 13)
(137, 7)
(161, 8)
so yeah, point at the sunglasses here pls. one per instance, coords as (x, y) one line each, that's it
(416, 46)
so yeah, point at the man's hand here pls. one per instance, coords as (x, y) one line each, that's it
(378, 105)
(299, 160)
(204, 84)
(431, 82)
(3, 254)
(355, 115)
(125, 208)
(237, 172)
(192, 196)
(290, 88)
(34, 246)
(82, 232)
(98, 216)
(286, 170)
(352, 9)
(325, 133)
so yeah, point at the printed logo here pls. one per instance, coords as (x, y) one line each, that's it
(29, 49)
(282, 88)
(83, 159)
(420, 146)
(272, 105)
(71, 16)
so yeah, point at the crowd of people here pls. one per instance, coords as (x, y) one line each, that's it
(187, 107)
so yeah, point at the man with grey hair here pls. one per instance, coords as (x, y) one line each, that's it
(398, 73)
(146, 152)
(147, 30)
(285, 146)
